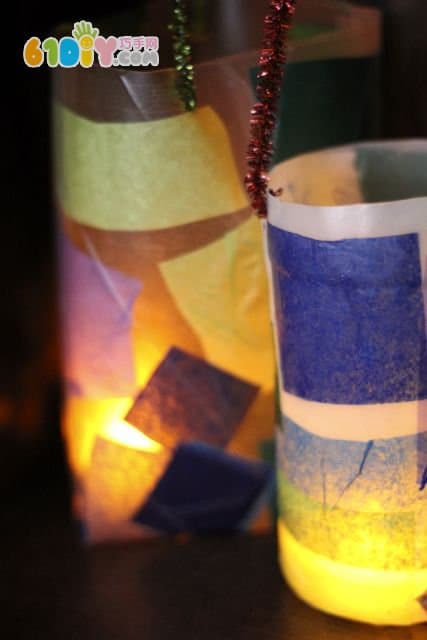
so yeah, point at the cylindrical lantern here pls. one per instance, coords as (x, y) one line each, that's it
(347, 245)
(168, 356)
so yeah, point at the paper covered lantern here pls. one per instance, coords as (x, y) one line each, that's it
(347, 244)
(168, 358)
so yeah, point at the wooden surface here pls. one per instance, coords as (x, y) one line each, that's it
(207, 589)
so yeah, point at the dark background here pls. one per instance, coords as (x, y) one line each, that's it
(49, 588)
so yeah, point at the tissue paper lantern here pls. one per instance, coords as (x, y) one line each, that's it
(347, 246)
(168, 358)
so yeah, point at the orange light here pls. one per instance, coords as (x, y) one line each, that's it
(122, 432)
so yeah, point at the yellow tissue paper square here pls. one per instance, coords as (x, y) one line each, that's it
(145, 175)
(221, 290)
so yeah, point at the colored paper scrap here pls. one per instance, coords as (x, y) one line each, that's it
(188, 398)
(350, 318)
(114, 175)
(97, 307)
(378, 540)
(376, 476)
(119, 479)
(205, 489)
(222, 291)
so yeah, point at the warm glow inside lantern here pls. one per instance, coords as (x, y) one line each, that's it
(347, 244)
(168, 356)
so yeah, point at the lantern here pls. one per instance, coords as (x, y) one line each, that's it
(168, 360)
(347, 243)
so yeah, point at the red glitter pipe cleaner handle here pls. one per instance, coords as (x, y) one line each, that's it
(272, 62)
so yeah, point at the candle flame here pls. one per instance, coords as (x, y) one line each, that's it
(125, 434)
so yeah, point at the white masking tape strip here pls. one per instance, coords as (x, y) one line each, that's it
(356, 423)
(331, 178)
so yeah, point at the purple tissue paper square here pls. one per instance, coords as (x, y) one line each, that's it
(96, 305)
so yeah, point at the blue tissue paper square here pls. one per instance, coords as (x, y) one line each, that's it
(350, 318)
(205, 489)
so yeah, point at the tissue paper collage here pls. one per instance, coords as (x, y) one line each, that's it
(348, 259)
